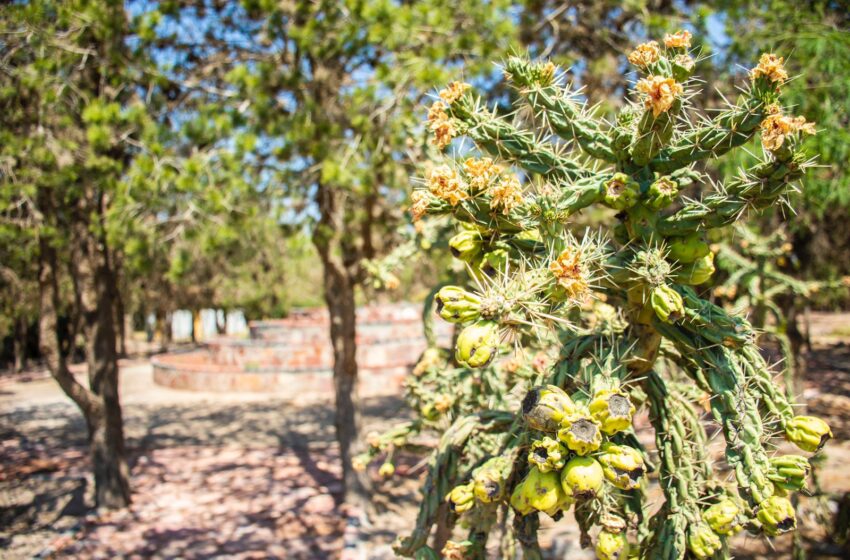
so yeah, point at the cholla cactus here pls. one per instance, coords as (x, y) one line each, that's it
(754, 282)
(562, 436)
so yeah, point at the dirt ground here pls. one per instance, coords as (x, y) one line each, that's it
(255, 476)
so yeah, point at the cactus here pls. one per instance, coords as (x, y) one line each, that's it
(620, 321)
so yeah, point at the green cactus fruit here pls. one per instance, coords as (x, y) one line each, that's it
(613, 410)
(688, 249)
(494, 261)
(622, 465)
(456, 305)
(698, 272)
(702, 541)
(808, 433)
(541, 492)
(466, 245)
(547, 454)
(661, 193)
(582, 478)
(543, 408)
(611, 546)
(580, 432)
(621, 192)
(490, 479)
(461, 498)
(776, 515)
(429, 412)
(724, 517)
(789, 472)
(477, 344)
(667, 303)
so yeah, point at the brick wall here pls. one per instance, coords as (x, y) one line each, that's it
(294, 355)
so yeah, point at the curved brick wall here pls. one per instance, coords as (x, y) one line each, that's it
(294, 355)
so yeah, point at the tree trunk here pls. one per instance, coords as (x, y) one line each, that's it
(120, 321)
(339, 295)
(339, 287)
(221, 326)
(19, 344)
(98, 288)
(99, 405)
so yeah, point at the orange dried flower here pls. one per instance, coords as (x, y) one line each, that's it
(661, 92)
(569, 272)
(678, 40)
(445, 183)
(770, 66)
(645, 54)
(481, 172)
(453, 92)
(419, 206)
(775, 128)
(507, 195)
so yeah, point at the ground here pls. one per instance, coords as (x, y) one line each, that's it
(255, 476)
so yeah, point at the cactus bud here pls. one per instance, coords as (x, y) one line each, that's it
(661, 193)
(612, 409)
(723, 517)
(456, 305)
(776, 515)
(697, 272)
(490, 479)
(539, 491)
(543, 408)
(580, 432)
(789, 472)
(386, 470)
(702, 541)
(667, 303)
(477, 344)
(688, 249)
(612, 546)
(622, 465)
(547, 454)
(461, 498)
(582, 478)
(466, 245)
(808, 433)
(621, 192)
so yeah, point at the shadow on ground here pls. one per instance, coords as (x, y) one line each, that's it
(243, 480)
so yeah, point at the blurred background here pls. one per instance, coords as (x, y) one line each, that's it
(199, 200)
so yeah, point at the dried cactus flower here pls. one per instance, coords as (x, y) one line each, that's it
(660, 93)
(645, 54)
(678, 40)
(771, 67)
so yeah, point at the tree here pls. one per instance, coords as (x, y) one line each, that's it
(330, 90)
(73, 118)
